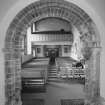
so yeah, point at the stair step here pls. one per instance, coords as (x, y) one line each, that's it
(53, 67)
(52, 79)
(52, 72)
(52, 76)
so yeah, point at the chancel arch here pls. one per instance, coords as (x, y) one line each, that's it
(42, 10)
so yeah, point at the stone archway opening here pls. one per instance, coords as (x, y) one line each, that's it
(43, 9)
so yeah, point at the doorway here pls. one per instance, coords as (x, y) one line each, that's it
(51, 50)
(13, 50)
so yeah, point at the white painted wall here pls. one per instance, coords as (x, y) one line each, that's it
(52, 24)
(26, 58)
(29, 40)
(9, 9)
(77, 45)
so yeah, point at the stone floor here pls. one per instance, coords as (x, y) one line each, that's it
(56, 92)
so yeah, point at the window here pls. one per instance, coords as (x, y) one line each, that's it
(38, 50)
(65, 49)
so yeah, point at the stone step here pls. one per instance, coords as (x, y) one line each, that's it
(52, 76)
(54, 80)
(53, 72)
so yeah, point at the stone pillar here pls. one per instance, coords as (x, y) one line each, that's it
(18, 81)
(92, 84)
(12, 77)
(87, 79)
(97, 72)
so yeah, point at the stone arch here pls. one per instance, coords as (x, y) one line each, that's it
(17, 29)
(39, 10)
